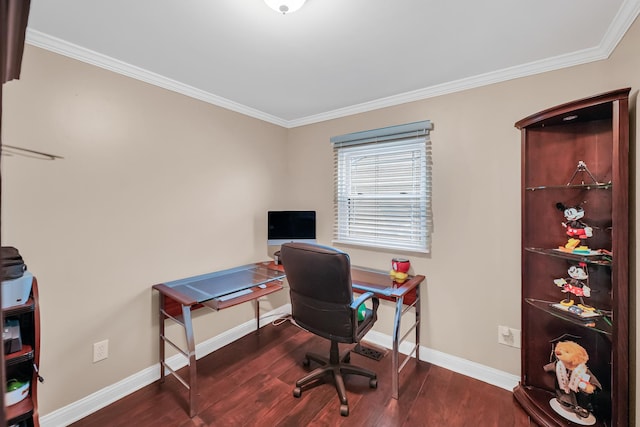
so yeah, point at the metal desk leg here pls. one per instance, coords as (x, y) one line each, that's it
(190, 353)
(395, 357)
(191, 346)
(417, 308)
(257, 315)
(161, 338)
(395, 378)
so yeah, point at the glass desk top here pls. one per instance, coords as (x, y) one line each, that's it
(214, 285)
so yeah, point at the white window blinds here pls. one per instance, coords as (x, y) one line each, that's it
(383, 187)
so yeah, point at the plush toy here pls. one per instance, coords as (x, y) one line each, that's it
(576, 229)
(574, 383)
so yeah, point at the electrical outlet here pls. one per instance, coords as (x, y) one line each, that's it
(100, 350)
(509, 336)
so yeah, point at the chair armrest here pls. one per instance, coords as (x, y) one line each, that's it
(362, 298)
(361, 328)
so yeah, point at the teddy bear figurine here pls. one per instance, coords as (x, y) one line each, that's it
(574, 383)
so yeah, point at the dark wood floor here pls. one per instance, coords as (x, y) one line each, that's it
(250, 383)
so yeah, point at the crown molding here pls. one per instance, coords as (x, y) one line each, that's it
(619, 26)
(53, 44)
(569, 60)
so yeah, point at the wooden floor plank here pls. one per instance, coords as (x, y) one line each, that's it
(250, 383)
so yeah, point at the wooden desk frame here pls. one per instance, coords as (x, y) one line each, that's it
(177, 307)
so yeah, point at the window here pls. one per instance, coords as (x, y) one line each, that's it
(383, 187)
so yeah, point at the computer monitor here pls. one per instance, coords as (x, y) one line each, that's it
(291, 226)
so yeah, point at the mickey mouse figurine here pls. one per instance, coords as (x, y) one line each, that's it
(576, 229)
(575, 285)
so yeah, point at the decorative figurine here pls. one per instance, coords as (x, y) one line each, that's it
(576, 285)
(577, 230)
(400, 270)
(574, 383)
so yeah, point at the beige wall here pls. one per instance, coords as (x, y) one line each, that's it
(156, 186)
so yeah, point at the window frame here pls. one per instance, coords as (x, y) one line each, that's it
(366, 211)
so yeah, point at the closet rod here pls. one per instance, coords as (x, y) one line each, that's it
(26, 150)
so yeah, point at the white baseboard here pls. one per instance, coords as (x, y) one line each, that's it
(98, 400)
(453, 363)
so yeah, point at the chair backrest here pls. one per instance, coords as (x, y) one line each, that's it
(320, 288)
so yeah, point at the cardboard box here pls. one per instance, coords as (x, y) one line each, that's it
(16, 291)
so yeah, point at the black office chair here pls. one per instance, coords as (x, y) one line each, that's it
(322, 302)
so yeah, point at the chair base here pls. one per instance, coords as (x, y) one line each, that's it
(334, 366)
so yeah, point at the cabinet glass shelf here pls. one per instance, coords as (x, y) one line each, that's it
(600, 259)
(592, 186)
(597, 324)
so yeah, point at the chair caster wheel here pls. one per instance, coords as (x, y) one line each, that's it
(297, 392)
(306, 362)
(373, 383)
(344, 410)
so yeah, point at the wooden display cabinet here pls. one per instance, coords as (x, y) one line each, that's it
(23, 364)
(575, 156)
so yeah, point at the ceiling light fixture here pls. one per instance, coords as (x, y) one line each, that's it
(285, 6)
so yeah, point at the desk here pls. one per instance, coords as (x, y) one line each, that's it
(218, 290)
(405, 296)
(180, 297)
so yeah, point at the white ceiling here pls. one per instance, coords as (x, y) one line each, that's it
(333, 57)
